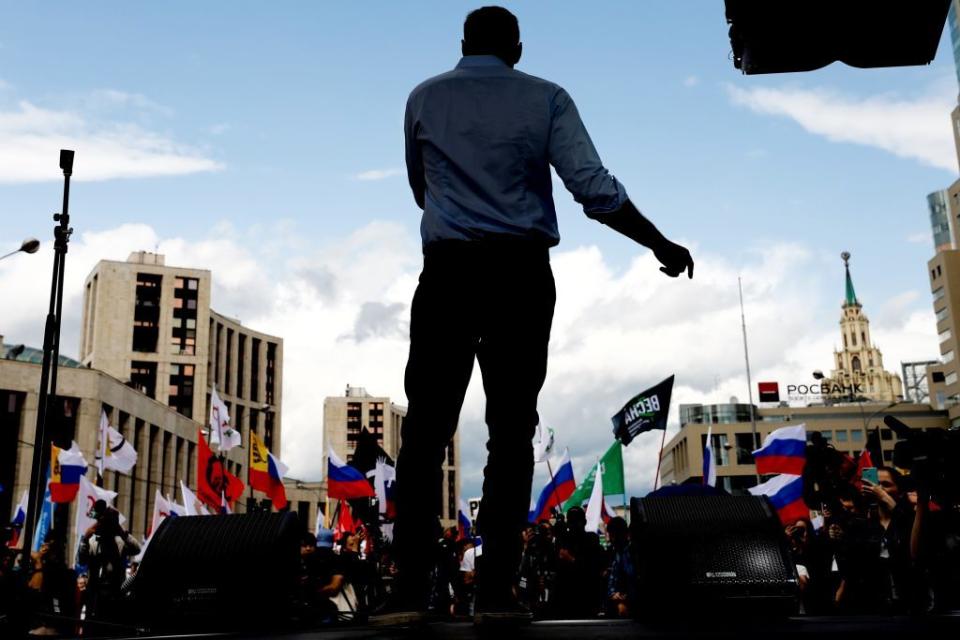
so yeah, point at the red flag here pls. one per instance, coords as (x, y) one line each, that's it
(345, 523)
(213, 479)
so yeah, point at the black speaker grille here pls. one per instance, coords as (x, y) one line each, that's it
(714, 547)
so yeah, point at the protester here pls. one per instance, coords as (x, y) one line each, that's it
(621, 574)
(104, 549)
(579, 570)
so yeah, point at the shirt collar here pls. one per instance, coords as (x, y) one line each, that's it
(468, 62)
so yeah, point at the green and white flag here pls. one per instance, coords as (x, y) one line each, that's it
(611, 478)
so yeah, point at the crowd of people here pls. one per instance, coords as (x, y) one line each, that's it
(873, 548)
(44, 596)
(878, 547)
(565, 571)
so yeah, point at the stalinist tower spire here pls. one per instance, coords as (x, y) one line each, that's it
(851, 294)
(859, 369)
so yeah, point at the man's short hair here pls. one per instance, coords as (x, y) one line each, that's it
(491, 30)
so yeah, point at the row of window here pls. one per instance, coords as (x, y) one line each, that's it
(223, 377)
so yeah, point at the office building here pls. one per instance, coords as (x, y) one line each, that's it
(165, 440)
(344, 417)
(845, 426)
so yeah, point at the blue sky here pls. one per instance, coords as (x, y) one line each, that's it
(253, 125)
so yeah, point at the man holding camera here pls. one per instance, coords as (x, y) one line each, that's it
(104, 548)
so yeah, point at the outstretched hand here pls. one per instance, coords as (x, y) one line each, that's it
(674, 258)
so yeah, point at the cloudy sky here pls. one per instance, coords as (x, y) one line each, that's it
(264, 143)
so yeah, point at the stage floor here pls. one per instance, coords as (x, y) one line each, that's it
(940, 626)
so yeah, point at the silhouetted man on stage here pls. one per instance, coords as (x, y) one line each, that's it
(480, 140)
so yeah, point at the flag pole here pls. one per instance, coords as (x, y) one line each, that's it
(656, 478)
(746, 358)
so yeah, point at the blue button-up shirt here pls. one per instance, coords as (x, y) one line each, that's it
(480, 140)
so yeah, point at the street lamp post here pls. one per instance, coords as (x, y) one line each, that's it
(30, 245)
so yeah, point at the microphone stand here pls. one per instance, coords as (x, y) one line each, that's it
(51, 357)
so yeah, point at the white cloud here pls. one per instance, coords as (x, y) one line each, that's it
(919, 237)
(31, 137)
(378, 174)
(691, 81)
(916, 128)
(341, 310)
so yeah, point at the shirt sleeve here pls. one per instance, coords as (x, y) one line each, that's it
(577, 162)
(413, 156)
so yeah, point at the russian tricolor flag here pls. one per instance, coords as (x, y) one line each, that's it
(18, 520)
(785, 492)
(463, 521)
(783, 451)
(558, 489)
(66, 467)
(709, 464)
(344, 482)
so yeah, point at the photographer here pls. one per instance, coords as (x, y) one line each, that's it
(104, 548)
(877, 578)
(537, 567)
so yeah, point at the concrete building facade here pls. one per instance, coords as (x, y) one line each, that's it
(151, 349)
(165, 440)
(845, 426)
(151, 324)
(345, 416)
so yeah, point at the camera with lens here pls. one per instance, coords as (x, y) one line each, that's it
(931, 457)
(827, 474)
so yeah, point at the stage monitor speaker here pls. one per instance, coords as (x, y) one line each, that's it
(218, 573)
(718, 553)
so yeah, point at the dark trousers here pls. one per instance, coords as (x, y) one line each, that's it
(492, 301)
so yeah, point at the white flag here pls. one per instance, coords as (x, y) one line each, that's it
(114, 451)
(191, 504)
(543, 444)
(87, 496)
(383, 475)
(220, 430)
(595, 506)
(320, 521)
(162, 509)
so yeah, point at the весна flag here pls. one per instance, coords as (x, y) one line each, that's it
(113, 450)
(266, 472)
(785, 492)
(344, 482)
(558, 489)
(18, 520)
(66, 468)
(214, 482)
(221, 433)
(709, 464)
(784, 451)
(643, 412)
